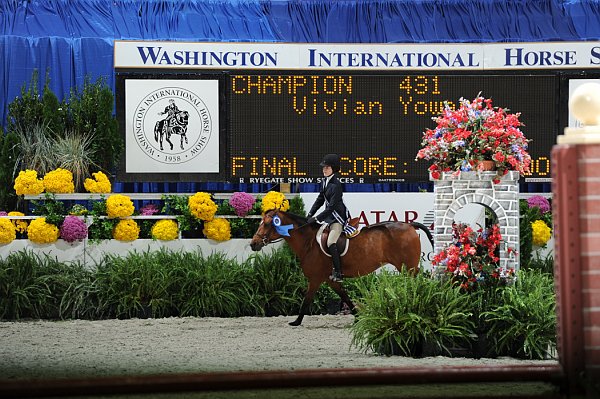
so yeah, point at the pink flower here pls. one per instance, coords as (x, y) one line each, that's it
(540, 202)
(149, 210)
(242, 203)
(73, 229)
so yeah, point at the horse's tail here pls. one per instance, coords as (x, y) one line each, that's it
(421, 226)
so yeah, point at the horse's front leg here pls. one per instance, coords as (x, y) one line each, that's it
(308, 298)
(337, 287)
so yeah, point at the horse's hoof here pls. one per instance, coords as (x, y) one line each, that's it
(294, 323)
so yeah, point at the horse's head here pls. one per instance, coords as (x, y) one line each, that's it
(267, 229)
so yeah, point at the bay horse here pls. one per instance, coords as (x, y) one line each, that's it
(397, 243)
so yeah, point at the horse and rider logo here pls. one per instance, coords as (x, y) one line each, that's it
(172, 125)
(176, 122)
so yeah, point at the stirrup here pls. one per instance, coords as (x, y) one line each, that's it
(336, 279)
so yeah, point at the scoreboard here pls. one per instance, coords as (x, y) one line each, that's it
(280, 126)
(275, 126)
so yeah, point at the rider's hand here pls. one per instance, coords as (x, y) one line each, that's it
(311, 220)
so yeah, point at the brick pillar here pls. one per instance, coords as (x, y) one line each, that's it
(576, 207)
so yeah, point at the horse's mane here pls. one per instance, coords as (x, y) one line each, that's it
(296, 218)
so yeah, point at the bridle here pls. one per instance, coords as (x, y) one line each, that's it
(266, 238)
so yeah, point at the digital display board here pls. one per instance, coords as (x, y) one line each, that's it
(279, 126)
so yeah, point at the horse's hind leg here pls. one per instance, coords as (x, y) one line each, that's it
(308, 298)
(337, 287)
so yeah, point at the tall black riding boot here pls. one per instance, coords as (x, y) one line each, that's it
(337, 264)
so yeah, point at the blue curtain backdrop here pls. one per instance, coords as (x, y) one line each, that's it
(74, 39)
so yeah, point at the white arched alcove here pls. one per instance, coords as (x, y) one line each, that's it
(453, 192)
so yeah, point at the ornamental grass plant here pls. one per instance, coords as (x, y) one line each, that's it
(523, 323)
(403, 313)
(278, 281)
(75, 152)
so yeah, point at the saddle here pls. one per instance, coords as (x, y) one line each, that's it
(342, 243)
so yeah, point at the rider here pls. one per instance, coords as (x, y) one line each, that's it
(335, 213)
(171, 110)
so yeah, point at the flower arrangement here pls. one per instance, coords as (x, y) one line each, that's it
(540, 219)
(119, 206)
(41, 232)
(535, 227)
(73, 229)
(98, 184)
(59, 181)
(20, 225)
(242, 203)
(165, 230)
(274, 200)
(472, 258)
(126, 230)
(27, 183)
(217, 229)
(7, 231)
(475, 132)
(202, 206)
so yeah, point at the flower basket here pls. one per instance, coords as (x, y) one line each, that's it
(475, 137)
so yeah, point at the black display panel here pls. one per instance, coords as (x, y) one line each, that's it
(280, 125)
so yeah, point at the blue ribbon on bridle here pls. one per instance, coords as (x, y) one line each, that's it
(282, 230)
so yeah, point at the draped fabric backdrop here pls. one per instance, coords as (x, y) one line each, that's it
(74, 39)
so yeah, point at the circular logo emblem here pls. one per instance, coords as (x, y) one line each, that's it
(276, 221)
(172, 125)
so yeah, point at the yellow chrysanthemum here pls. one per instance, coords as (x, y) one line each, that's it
(165, 230)
(28, 183)
(202, 206)
(217, 229)
(7, 231)
(541, 233)
(41, 232)
(20, 225)
(275, 200)
(119, 206)
(99, 184)
(59, 181)
(126, 230)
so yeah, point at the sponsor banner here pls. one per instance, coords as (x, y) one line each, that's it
(171, 126)
(373, 208)
(349, 56)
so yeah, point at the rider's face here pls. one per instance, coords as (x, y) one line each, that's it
(327, 171)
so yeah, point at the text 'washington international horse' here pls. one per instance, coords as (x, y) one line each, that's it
(396, 243)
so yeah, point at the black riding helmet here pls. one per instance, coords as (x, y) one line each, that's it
(332, 160)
